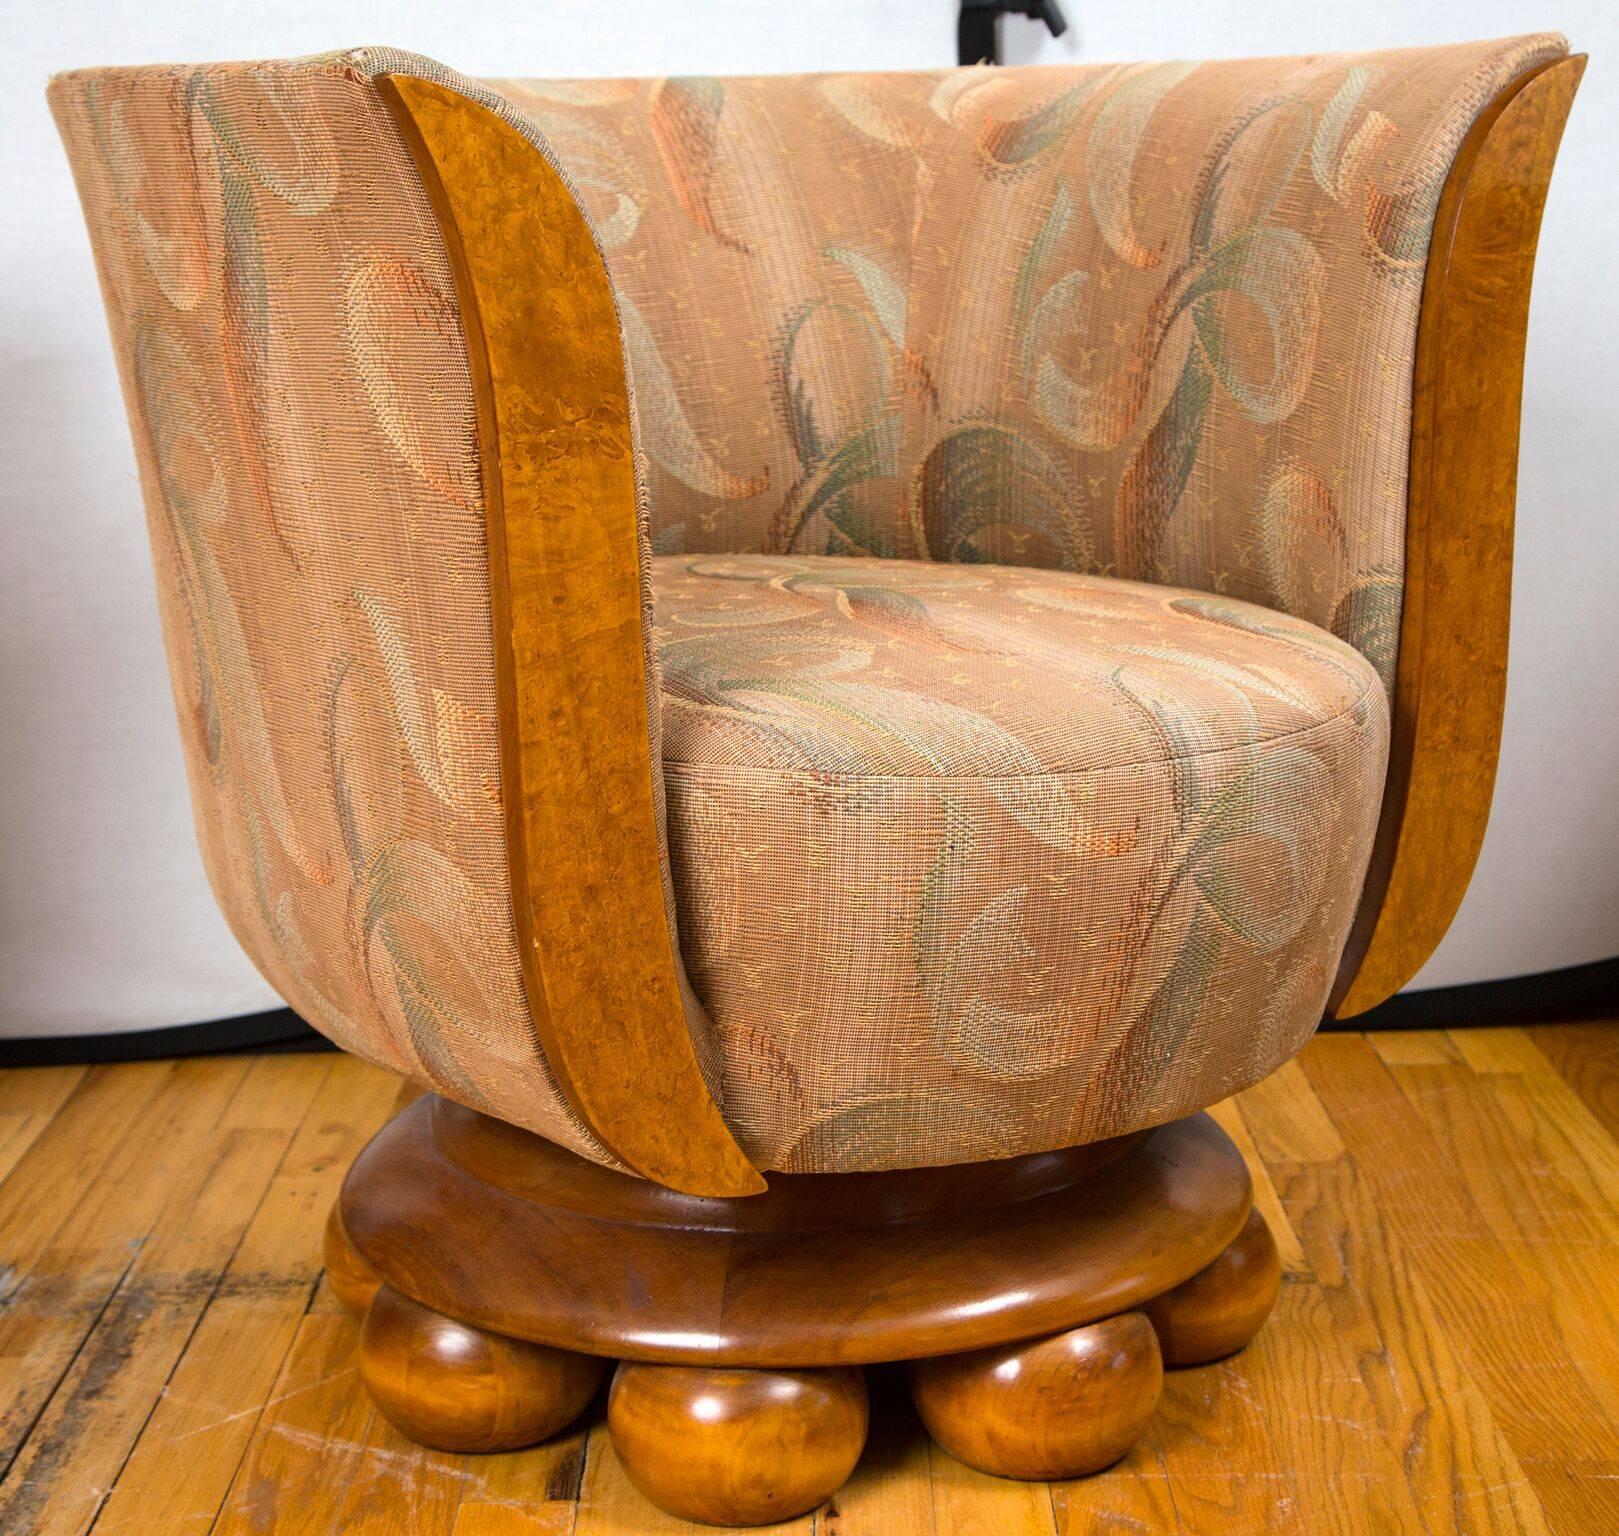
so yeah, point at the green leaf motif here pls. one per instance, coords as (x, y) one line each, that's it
(176, 250)
(409, 879)
(1250, 168)
(1041, 249)
(245, 340)
(363, 746)
(834, 378)
(1368, 618)
(1280, 273)
(1263, 828)
(173, 417)
(1151, 487)
(1151, 1043)
(1335, 119)
(984, 476)
(285, 144)
(1014, 142)
(976, 1020)
(1093, 416)
(665, 432)
(871, 454)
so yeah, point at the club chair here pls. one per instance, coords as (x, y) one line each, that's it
(827, 661)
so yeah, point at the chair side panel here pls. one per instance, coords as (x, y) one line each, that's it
(299, 396)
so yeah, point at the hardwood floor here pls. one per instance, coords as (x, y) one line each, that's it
(1444, 1357)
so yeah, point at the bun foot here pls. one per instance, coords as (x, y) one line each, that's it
(457, 1388)
(1045, 1409)
(737, 1447)
(1221, 1307)
(353, 1281)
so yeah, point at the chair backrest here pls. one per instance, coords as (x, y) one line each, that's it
(1152, 320)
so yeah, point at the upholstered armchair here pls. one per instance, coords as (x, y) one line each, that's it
(826, 661)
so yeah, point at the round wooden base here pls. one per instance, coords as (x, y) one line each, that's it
(1038, 1300)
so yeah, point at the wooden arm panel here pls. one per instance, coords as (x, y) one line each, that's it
(1450, 686)
(583, 835)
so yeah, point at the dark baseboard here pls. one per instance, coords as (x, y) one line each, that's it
(274, 1031)
(1579, 992)
(1575, 992)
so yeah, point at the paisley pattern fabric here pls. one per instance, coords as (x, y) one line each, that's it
(976, 860)
(1150, 320)
(973, 854)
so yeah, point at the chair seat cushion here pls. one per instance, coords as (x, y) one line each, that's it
(975, 861)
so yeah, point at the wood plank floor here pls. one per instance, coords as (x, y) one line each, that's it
(1444, 1357)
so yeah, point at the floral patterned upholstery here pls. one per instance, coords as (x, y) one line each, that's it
(980, 846)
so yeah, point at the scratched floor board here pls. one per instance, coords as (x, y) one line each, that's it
(1444, 1359)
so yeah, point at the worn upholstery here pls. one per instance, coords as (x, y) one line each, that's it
(971, 857)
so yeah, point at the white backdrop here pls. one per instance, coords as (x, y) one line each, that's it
(106, 921)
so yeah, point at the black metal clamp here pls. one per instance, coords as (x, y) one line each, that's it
(978, 26)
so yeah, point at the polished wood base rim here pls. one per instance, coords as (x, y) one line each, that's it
(507, 1232)
(496, 1277)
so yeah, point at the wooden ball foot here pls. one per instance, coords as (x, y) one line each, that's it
(737, 1447)
(353, 1281)
(1222, 1306)
(1058, 1407)
(457, 1388)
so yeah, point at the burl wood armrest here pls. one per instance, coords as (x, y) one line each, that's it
(578, 724)
(1450, 685)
